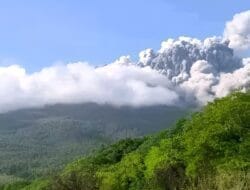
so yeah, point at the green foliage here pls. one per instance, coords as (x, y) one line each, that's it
(209, 150)
(37, 185)
(15, 185)
(219, 136)
(115, 152)
(82, 174)
(123, 175)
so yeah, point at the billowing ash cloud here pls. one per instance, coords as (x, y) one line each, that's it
(184, 71)
(176, 57)
(203, 70)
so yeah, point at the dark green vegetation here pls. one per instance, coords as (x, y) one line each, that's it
(209, 150)
(36, 142)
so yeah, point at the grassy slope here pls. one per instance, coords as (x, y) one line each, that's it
(209, 150)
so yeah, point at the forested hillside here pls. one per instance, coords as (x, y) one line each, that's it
(37, 142)
(209, 150)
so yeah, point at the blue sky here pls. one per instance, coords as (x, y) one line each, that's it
(36, 34)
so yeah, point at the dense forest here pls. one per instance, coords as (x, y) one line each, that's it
(36, 142)
(208, 150)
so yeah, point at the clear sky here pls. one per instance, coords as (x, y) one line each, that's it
(36, 34)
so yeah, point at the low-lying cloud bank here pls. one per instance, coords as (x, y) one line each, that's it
(183, 71)
(79, 82)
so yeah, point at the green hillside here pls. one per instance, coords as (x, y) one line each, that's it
(36, 142)
(209, 150)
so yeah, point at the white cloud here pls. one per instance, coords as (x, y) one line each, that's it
(238, 32)
(201, 81)
(238, 80)
(115, 84)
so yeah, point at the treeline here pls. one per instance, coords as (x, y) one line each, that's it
(208, 150)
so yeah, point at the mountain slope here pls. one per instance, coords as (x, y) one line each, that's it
(210, 150)
(35, 142)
